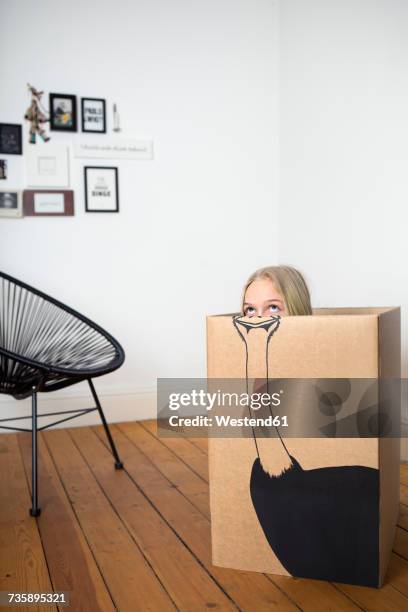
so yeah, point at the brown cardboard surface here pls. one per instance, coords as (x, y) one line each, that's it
(333, 343)
(346, 310)
(389, 325)
(354, 310)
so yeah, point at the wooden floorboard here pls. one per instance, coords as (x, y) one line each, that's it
(404, 494)
(132, 582)
(139, 538)
(23, 565)
(71, 564)
(185, 450)
(179, 570)
(249, 591)
(188, 482)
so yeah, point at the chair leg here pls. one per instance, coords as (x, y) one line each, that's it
(118, 462)
(34, 510)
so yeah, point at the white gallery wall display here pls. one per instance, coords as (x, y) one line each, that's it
(47, 165)
(112, 148)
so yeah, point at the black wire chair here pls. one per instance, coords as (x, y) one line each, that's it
(44, 346)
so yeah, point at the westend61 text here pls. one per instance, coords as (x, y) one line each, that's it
(227, 421)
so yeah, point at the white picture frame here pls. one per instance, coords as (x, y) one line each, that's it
(10, 203)
(47, 165)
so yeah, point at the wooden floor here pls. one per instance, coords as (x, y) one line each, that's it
(139, 538)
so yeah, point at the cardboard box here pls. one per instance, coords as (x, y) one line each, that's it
(333, 515)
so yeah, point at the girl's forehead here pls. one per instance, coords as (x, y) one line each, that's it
(262, 286)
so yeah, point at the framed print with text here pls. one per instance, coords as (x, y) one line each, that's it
(93, 112)
(101, 189)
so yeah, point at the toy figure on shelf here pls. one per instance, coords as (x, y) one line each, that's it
(36, 115)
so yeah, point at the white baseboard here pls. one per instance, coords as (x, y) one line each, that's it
(119, 404)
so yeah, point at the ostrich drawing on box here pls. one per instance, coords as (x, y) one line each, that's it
(321, 523)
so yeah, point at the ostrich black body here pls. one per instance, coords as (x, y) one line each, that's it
(321, 523)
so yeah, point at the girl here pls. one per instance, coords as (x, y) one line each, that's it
(276, 290)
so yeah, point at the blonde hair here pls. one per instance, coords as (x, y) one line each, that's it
(290, 284)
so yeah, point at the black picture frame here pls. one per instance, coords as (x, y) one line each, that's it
(101, 169)
(11, 141)
(100, 101)
(57, 125)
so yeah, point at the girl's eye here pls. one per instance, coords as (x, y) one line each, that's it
(249, 310)
(272, 306)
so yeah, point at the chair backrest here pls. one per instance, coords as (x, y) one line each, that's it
(42, 333)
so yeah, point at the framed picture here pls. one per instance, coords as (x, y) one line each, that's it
(101, 189)
(10, 139)
(63, 113)
(10, 203)
(47, 165)
(50, 203)
(93, 112)
(3, 169)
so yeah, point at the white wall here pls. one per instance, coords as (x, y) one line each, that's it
(343, 201)
(199, 79)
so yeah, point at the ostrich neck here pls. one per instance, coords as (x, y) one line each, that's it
(256, 345)
(272, 452)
